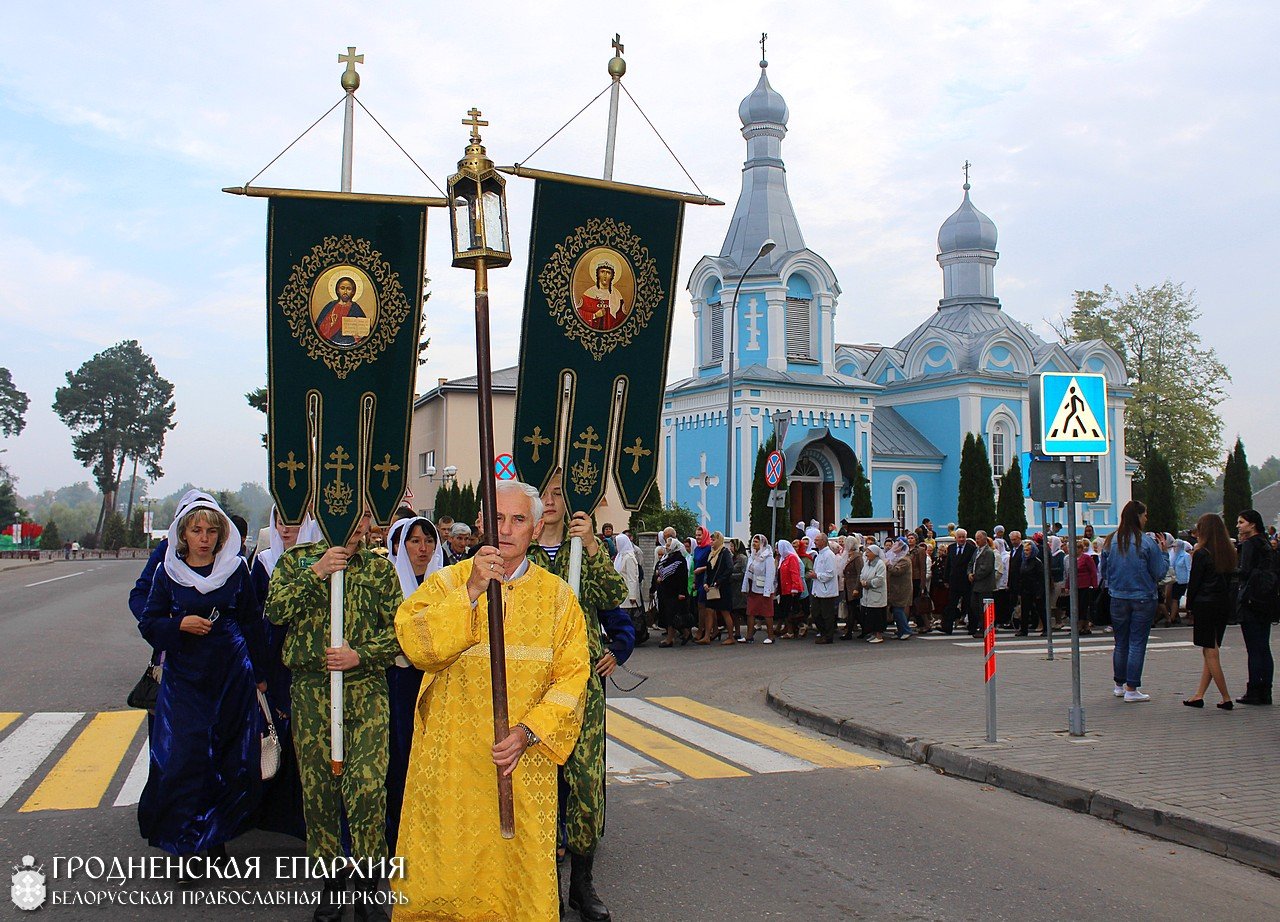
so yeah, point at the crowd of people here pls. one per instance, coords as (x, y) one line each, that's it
(839, 585)
(242, 648)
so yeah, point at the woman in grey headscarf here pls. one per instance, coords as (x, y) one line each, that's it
(672, 576)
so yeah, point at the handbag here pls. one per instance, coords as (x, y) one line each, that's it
(713, 592)
(270, 742)
(147, 689)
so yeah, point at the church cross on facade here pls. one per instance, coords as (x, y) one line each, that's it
(751, 316)
(702, 481)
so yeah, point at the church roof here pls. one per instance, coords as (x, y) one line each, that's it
(762, 374)
(967, 229)
(893, 436)
(972, 326)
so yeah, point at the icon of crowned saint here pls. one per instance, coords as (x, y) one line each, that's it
(603, 307)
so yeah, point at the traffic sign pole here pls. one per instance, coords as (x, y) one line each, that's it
(1048, 580)
(989, 649)
(1076, 715)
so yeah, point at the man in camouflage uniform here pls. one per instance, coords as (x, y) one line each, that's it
(582, 777)
(299, 599)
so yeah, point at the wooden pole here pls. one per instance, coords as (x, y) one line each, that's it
(488, 498)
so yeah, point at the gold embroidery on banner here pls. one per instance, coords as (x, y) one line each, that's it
(537, 440)
(556, 282)
(295, 302)
(636, 451)
(583, 473)
(292, 466)
(337, 495)
(385, 469)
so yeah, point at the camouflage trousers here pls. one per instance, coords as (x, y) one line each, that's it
(361, 788)
(582, 790)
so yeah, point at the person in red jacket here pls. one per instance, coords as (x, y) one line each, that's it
(790, 588)
(1086, 584)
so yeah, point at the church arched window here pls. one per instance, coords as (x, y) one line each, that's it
(715, 315)
(904, 502)
(799, 319)
(1000, 443)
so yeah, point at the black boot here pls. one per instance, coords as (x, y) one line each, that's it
(1264, 693)
(1250, 694)
(330, 906)
(368, 909)
(559, 890)
(582, 889)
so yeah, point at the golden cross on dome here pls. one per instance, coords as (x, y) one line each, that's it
(475, 122)
(636, 451)
(385, 469)
(292, 467)
(537, 440)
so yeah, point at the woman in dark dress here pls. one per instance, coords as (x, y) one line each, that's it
(1031, 588)
(1209, 601)
(719, 595)
(672, 575)
(206, 764)
(414, 548)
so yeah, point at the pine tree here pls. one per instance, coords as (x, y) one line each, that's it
(135, 537)
(1237, 491)
(1011, 506)
(761, 515)
(976, 502)
(440, 506)
(469, 505)
(50, 540)
(860, 506)
(113, 532)
(1162, 504)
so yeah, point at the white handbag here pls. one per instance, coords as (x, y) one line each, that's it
(270, 742)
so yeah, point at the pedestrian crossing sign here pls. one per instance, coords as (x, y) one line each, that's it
(1073, 414)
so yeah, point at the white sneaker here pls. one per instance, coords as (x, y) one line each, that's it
(768, 640)
(1136, 696)
(1118, 691)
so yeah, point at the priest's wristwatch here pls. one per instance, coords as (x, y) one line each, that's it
(530, 738)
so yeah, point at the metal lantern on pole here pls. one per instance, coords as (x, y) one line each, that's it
(478, 220)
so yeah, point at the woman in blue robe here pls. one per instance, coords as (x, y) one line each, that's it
(414, 548)
(202, 614)
(282, 795)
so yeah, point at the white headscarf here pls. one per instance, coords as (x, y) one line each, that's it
(225, 562)
(874, 550)
(624, 546)
(896, 550)
(397, 534)
(1055, 544)
(786, 549)
(308, 533)
(812, 531)
(764, 551)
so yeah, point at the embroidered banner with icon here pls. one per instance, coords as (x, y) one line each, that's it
(597, 328)
(344, 293)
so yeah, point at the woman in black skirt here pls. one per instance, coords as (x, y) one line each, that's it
(1209, 599)
(672, 579)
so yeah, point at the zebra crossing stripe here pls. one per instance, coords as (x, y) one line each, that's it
(8, 717)
(749, 755)
(797, 744)
(625, 764)
(131, 791)
(80, 778)
(684, 759)
(25, 749)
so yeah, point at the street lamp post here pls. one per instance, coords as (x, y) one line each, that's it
(765, 249)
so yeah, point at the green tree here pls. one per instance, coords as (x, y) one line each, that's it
(257, 398)
(1177, 381)
(440, 505)
(976, 501)
(50, 540)
(119, 407)
(8, 500)
(1011, 506)
(761, 515)
(860, 506)
(134, 537)
(13, 405)
(468, 504)
(113, 532)
(1161, 494)
(1237, 491)
(647, 517)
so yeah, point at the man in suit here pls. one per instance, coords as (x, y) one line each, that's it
(958, 560)
(982, 581)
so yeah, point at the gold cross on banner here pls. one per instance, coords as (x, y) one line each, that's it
(339, 455)
(351, 59)
(292, 467)
(537, 440)
(385, 469)
(475, 123)
(590, 442)
(636, 451)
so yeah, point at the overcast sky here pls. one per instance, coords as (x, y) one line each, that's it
(1112, 142)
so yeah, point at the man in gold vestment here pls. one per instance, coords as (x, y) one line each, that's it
(457, 865)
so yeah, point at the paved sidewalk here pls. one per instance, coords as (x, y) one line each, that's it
(1205, 778)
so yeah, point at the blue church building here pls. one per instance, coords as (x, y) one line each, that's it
(902, 410)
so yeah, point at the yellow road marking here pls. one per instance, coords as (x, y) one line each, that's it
(779, 738)
(8, 717)
(82, 775)
(688, 761)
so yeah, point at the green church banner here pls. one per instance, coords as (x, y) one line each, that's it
(344, 294)
(597, 328)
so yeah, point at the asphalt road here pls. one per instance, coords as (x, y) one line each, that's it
(893, 841)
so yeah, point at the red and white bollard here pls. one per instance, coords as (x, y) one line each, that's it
(989, 651)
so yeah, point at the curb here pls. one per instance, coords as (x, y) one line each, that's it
(1235, 842)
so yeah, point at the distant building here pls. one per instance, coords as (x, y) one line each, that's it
(903, 411)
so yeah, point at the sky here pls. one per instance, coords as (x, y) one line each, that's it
(1112, 142)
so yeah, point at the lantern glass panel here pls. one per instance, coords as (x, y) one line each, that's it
(495, 223)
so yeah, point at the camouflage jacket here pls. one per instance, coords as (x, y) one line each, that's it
(299, 599)
(602, 586)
